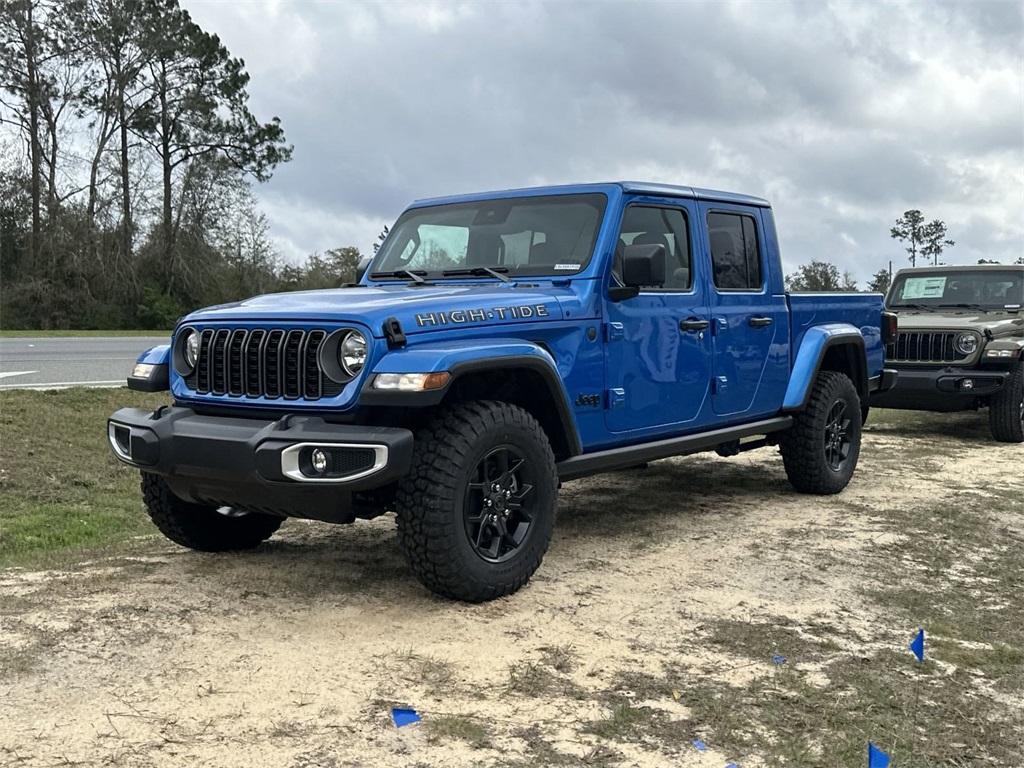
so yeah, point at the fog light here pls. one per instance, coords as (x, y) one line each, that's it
(143, 370)
(967, 384)
(319, 460)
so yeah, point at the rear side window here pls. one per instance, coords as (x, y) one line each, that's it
(735, 257)
(648, 225)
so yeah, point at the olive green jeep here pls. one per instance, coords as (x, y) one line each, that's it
(959, 344)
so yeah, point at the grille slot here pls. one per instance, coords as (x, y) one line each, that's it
(924, 347)
(272, 363)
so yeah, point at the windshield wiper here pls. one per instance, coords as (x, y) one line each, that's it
(926, 307)
(969, 306)
(492, 271)
(413, 274)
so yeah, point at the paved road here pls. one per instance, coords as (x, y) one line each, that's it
(93, 361)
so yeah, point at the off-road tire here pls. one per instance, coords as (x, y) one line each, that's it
(430, 500)
(200, 527)
(1006, 409)
(803, 445)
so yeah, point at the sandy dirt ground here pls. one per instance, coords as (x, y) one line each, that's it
(294, 655)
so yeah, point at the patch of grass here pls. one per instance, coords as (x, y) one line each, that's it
(624, 723)
(529, 678)
(436, 674)
(443, 728)
(561, 658)
(6, 334)
(61, 490)
(761, 640)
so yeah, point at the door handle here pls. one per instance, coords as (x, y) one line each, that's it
(759, 322)
(693, 324)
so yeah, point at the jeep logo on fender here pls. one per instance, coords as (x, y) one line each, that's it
(458, 316)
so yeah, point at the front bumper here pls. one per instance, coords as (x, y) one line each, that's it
(256, 464)
(944, 389)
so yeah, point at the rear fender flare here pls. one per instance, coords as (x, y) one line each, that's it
(816, 343)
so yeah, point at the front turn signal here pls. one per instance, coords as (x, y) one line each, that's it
(411, 382)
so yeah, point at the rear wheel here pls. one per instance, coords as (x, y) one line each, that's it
(821, 450)
(476, 511)
(1006, 411)
(208, 529)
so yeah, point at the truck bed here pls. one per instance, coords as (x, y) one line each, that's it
(861, 310)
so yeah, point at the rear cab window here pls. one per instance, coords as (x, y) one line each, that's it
(735, 253)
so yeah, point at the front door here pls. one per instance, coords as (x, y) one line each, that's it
(658, 344)
(747, 316)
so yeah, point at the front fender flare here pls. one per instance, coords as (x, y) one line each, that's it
(816, 342)
(461, 358)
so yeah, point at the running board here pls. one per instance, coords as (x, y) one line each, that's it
(619, 458)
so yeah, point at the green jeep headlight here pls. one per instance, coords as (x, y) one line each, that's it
(966, 343)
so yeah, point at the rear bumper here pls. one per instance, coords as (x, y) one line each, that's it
(257, 464)
(943, 389)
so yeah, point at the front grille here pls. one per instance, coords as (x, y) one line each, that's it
(924, 347)
(272, 363)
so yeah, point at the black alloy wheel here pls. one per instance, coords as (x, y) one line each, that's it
(497, 512)
(837, 436)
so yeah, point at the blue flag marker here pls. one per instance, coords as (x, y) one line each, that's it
(699, 745)
(917, 645)
(778, 659)
(876, 757)
(404, 717)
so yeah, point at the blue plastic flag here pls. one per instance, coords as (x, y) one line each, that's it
(732, 765)
(699, 745)
(876, 757)
(404, 717)
(917, 645)
(777, 659)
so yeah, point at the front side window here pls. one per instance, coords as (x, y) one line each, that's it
(735, 256)
(966, 289)
(524, 236)
(650, 225)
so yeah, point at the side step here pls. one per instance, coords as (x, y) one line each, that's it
(619, 458)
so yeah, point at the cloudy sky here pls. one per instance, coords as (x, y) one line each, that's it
(844, 114)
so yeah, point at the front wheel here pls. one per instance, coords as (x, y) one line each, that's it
(207, 529)
(821, 449)
(1006, 411)
(476, 511)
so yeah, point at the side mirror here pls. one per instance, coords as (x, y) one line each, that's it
(642, 266)
(364, 264)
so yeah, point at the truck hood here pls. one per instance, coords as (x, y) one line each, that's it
(996, 323)
(428, 308)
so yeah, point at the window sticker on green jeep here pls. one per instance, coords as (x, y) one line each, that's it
(924, 288)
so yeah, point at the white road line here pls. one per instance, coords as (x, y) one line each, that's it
(65, 384)
(8, 374)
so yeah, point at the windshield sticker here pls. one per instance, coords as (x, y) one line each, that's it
(567, 266)
(460, 316)
(924, 288)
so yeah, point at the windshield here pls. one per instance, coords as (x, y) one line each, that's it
(980, 289)
(514, 236)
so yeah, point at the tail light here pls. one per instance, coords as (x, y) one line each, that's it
(889, 325)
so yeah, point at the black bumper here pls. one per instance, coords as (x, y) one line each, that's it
(254, 463)
(943, 389)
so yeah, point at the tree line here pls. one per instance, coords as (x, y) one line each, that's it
(920, 238)
(127, 156)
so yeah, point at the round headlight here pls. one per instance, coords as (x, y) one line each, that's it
(191, 348)
(966, 343)
(352, 352)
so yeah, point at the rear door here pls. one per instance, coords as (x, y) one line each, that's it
(750, 322)
(658, 344)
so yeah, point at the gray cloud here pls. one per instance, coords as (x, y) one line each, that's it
(843, 114)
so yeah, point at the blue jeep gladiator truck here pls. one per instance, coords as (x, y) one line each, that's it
(497, 345)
